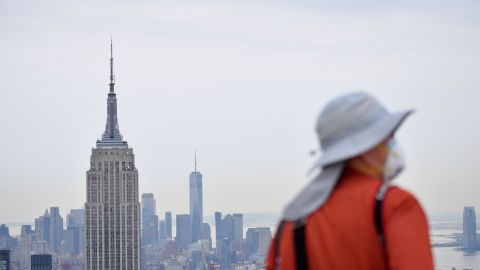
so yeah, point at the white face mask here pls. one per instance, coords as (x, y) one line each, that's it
(395, 162)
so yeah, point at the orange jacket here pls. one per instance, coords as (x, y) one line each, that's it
(342, 233)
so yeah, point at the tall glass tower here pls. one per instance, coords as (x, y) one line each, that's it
(469, 228)
(112, 210)
(196, 202)
(149, 219)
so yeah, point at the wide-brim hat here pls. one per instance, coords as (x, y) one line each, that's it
(353, 124)
(349, 126)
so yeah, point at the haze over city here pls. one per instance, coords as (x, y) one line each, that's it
(241, 87)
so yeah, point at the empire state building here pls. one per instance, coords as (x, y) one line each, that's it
(112, 210)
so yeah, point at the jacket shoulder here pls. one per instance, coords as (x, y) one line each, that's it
(397, 195)
(400, 202)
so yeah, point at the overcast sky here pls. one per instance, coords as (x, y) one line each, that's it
(241, 81)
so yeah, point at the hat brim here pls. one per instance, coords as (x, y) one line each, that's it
(362, 141)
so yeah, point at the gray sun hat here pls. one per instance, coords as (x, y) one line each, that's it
(349, 125)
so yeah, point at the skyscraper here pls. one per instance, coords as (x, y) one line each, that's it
(237, 227)
(56, 228)
(218, 226)
(469, 228)
(112, 210)
(42, 227)
(168, 225)
(196, 202)
(4, 259)
(228, 227)
(162, 229)
(264, 239)
(76, 225)
(252, 241)
(41, 262)
(6, 241)
(149, 219)
(184, 230)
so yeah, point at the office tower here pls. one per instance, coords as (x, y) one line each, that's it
(206, 234)
(224, 251)
(24, 247)
(42, 227)
(41, 262)
(149, 219)
(4, 259)
(228, 227)
(196, 202)
(197, 260)
(72, 240)
(6, 241)
(184, 230)
(264, 239)
(168, 225)
(76, 230)
(469, 228)
(162, 230)
(112, 210)
(76, 217)
(56, 228)
(237, 227)
(252, 241)
(218, 226)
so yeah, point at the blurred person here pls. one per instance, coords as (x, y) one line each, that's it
(349, 216)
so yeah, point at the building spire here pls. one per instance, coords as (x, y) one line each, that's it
(111, 137)
(112, 78)
(195, 159)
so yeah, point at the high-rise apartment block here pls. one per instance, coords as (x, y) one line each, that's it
(112, 210)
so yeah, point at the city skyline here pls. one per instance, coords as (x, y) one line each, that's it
(250, 90)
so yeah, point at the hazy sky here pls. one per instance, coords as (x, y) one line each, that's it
(241, 81)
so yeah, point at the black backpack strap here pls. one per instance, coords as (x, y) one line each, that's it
(300, 245)
(276, 243)
(378, 220)
(378, 216)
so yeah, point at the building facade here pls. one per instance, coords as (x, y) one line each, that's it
(237, 227)
(75, 229)
(42, 227)
(162, 230)
(4, 259)
(218, 226)
(112, 210)
(41, 262)
(184, 230)
(168, 225)
(149, 219)
(56, 228)
(196, 202)
(469, 228)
